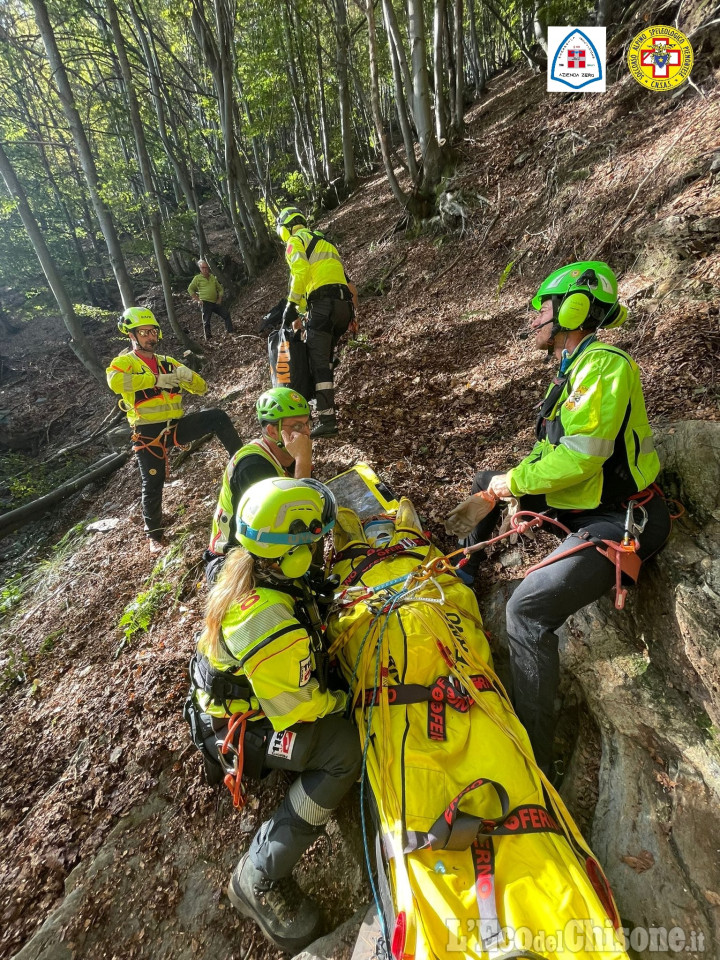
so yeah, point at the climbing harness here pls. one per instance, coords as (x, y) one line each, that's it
(157, 446)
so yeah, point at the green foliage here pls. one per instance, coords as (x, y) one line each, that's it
(13, 665)
(293, 187)
(360, 342)
(11, 594)
(138, 615)
(140, 612)
(50, 640)
(504, 276)
(22, 479)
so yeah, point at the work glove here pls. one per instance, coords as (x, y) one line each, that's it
(290, 313)
(167, 381)
(184, 374)
(461, 521)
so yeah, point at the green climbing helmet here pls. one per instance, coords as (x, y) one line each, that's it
(279, 518)
(584, 295)
(135, 317)
(287, 219)
(280, 402)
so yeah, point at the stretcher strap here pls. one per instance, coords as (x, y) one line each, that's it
(483, 855)
(374, 555)
(442, 693)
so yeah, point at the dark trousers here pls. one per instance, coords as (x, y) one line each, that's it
(151, 459)
(544, 600)
(327, 321)
(326, 753)
(208, 309)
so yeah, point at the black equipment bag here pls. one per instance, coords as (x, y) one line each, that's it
(289, 365)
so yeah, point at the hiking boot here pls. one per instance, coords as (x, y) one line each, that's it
(156, 546)
(326, 428)
(287, 917)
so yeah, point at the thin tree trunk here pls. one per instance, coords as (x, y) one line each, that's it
(479, 69)
(322, 108)
(459, 124)
(439, 70)
(150, 199)
(395, 35)
(402, 110)
(107, 224)
(375, 101)
(79, 344)
(432, 157)
(342, 36)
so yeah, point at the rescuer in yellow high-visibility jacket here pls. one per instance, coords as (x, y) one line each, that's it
(594, 455)
(318, 277)
(283, 450)
(151, 386)
(261, 650)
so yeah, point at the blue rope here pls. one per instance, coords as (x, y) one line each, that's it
(386, 612)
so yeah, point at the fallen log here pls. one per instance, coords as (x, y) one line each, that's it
(17, 518)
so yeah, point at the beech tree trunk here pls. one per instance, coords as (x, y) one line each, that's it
(375, 102)
(150, 199)
(79, 344)
(107, 224)
(342, 36)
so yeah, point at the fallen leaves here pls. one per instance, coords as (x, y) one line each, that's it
(642, 862)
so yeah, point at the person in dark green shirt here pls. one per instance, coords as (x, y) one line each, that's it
(206, 289)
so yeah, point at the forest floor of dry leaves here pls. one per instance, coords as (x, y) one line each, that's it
(435, 385)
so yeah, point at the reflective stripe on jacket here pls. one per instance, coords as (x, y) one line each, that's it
(262, 639)
(595, 445)
(324, 265)
(142, 401)
(223, 526)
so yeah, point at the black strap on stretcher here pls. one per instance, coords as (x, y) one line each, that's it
(441, 694)
(455, 830)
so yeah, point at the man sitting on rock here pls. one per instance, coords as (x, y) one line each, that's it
(593, 468)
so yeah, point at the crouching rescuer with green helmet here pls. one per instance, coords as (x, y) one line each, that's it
(283, 450)
(259, 683)
(592, 469)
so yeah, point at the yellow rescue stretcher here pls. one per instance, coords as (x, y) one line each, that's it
(477, 855)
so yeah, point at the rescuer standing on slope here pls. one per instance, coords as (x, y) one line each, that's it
(316, 275)
(151, 386)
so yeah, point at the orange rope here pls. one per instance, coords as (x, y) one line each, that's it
(233, 779)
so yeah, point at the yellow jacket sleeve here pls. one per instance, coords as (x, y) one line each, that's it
(122, 378)
(592, 416)
(298, 262)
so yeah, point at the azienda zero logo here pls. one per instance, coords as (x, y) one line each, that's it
(576, 59)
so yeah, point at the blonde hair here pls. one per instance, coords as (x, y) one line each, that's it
(236, 581)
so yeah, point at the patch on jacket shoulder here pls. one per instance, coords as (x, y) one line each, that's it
(575, 398)
(281, 744)
(305, 671)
